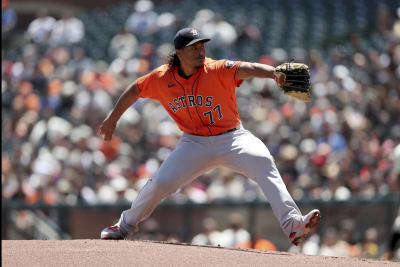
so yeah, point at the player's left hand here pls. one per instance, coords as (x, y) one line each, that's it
(294, 80)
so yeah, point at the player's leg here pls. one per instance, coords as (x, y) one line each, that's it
(188, 161)
(248, 155)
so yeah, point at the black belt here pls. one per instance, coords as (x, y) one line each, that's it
(230, 130)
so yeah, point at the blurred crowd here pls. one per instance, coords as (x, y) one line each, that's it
(57, 87)
(54, 96)
(345, 240)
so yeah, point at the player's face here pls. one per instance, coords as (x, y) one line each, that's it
(194, 55)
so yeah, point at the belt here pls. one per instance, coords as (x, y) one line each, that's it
(230, 130)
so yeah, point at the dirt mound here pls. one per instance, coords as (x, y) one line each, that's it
(147, 253)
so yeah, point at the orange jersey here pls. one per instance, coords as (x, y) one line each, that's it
(204, 104)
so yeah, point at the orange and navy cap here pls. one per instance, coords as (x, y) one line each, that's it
(188, 36)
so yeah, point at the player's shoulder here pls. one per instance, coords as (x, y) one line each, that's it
(213, 64)
(161, 71)
(158, 73)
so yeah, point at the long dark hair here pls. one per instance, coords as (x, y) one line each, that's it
(173, 60)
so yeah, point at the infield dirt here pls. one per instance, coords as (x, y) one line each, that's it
(148, 253)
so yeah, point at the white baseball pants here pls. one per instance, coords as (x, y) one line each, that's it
(194, 155)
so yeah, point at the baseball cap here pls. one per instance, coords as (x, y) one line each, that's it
(188, 36)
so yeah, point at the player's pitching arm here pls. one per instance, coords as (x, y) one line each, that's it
(249, 70)
(127, 99)
(293, 80)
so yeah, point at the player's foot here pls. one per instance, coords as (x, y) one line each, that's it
(112, 232)
(308, 223)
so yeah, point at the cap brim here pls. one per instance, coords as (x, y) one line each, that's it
(198, 40)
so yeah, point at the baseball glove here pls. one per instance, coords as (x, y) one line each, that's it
(294, 80)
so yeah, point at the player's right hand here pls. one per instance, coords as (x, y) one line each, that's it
(107, 128)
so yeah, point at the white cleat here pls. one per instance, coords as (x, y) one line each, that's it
(308, 224)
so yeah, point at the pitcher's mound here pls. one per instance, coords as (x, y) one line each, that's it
(111, 253)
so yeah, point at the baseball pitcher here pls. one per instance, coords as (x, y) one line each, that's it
(199, 94)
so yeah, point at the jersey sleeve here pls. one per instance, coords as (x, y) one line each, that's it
(228, 72)
(147, 85)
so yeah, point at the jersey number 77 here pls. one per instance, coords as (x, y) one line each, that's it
(217, 109)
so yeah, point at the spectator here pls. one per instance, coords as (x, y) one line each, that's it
(124, 45)
(68, 30)
(329, 246)
(151, 231)
(258, 243)
(347, 244)
(210, 235)
(264, 244)
(235, 233)
(219, 30)
(8, 21)
(143, 21)
(370, 247)
(39, 29)
(311, 246)
(8, 17)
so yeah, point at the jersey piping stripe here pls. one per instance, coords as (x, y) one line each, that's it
(235, 75)
(194, 83)
(184, 93)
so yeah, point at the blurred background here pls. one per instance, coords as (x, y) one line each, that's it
(66, 62)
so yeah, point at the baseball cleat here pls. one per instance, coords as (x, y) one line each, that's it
(308, 223)
(112, 232)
